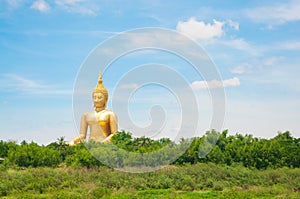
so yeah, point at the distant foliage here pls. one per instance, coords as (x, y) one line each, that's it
(141, 144)
(280, 151)
(31, 154)
(220, 148)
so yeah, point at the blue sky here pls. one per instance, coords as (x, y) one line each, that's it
(255, 46)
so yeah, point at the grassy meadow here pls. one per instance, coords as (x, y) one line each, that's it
(202, 180)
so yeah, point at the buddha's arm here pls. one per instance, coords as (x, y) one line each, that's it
(113, 125)
(113, 122)
(83, 131)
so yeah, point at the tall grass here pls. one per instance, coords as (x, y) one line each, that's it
(199, 180)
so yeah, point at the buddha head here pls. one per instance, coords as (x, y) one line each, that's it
(100, 94)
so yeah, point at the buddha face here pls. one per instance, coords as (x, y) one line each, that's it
(99, 100)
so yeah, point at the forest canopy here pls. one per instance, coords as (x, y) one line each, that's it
(281, 151)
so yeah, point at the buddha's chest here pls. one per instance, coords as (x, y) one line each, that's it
(100, 118)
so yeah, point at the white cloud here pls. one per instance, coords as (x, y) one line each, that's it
(200, 30)
(40, 5)
(199, 85)
(278, 13)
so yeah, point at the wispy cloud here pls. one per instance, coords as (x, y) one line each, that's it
(16, 83)
(83, 7)
(235, 25)
(78, 6)
(14, 3)
(41, 6)
(277, 13)
(272, 60)
(240, 44)
(20, 82)
(129, 86)
(242, 68)
(288, 45)
(256, 66)
(200, 85)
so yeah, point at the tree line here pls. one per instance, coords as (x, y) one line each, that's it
(126, 151)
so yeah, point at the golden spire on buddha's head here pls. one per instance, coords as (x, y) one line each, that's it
(100, 87)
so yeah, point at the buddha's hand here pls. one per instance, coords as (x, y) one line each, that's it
(106, 140)
(71, 143)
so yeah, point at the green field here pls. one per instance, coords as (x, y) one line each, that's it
(203, 180)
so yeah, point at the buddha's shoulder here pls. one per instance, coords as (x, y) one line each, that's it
(89, 112)
(109, 112)
(106, 111)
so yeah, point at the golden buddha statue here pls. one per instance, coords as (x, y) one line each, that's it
(102, 123)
